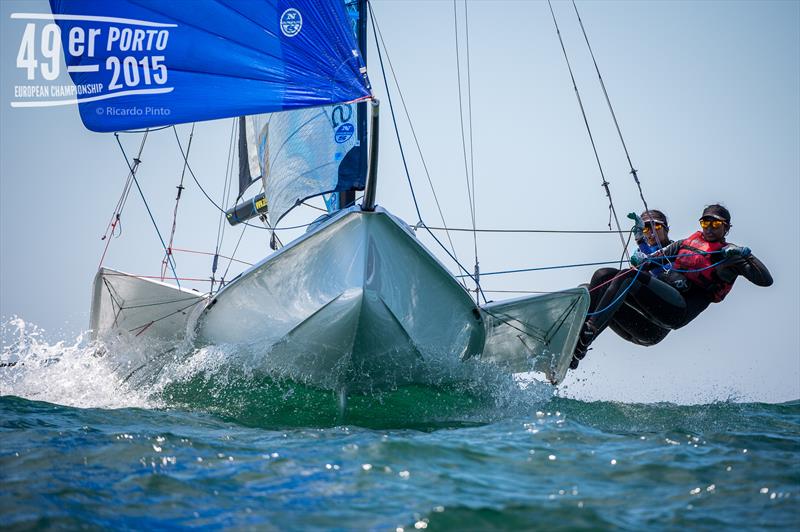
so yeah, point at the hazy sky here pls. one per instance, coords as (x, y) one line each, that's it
(708, 98)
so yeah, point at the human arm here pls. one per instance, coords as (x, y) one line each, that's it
(670, 251)
(638, 227)
(748, 267)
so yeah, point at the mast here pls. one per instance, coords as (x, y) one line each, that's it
(349, 197)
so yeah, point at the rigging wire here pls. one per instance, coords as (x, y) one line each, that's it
(469, 173)
(116, 217)
(543, 268)
(605, 183)
(221, 222)
(214, 203)
(180, 188)
(403, 156)
(555, 231)
(230, 261)
(634, 172)
(137, 161)
(414, 135)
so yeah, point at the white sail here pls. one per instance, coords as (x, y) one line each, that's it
(304, 153)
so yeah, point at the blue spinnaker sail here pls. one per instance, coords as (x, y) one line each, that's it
(146, 63)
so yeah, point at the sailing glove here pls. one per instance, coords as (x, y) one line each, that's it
(732, 250)
(638, 226)
(638, 258)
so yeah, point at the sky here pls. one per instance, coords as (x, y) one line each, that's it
(707, 95)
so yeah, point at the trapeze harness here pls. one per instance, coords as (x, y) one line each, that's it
(695, 261)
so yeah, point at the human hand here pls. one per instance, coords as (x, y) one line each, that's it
(638, 258)
(732, 250)
(638, 224)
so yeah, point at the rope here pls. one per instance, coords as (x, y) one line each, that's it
(468, 168)
(150, 130)
(403, 156)
(604, 263)
(562, 266)
(605, 183)
(143, 328)
(633, 171)
(116, 217)
(556, 231)
(230, 261)
(147, 207)
(619, 296)
(220, 209)
(638, 272)
(157, 277)
(414, 135)
(221, 222)
(211, 254)
(180, 188)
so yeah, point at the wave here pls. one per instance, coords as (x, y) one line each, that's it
(228, 384)
(128, 373)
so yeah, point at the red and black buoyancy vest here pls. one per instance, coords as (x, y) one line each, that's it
(694, 261)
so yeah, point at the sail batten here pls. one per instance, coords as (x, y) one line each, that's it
(217, 59)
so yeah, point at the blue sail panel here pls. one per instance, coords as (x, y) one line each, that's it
(147, 63)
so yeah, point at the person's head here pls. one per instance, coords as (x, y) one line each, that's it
(715, 223)
(656, 228)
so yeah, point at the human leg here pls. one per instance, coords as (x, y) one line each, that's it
(633, 327)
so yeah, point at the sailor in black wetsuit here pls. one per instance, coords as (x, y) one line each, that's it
(631, 321)
(706, 266)
(704, 269)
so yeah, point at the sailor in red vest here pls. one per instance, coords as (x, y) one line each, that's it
(710, 264)
(704, 269)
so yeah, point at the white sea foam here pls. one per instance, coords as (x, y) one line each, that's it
(69, 372)
(130, 372)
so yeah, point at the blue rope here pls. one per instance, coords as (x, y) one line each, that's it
(620, 296)
(545, 268)
(639, 271)
(581, 264)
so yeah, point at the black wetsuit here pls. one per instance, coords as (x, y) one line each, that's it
(631, 318)
(643, 309)
(698, 297)
(630, 322)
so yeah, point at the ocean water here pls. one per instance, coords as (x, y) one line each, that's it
(88, 443)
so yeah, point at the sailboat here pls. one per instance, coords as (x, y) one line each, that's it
(357, 302)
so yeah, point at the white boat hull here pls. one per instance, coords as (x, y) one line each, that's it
(357, 304)
(535, 334)
(131, 306)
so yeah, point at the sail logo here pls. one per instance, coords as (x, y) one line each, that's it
(108, 56)
(343, 129)
(344, 132)
(291, 22)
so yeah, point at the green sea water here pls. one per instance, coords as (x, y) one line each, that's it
(82, 447)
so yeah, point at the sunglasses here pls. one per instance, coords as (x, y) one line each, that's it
(714, 224)
(648, 228)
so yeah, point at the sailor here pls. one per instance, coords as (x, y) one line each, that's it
(704, 269)
(651, 231)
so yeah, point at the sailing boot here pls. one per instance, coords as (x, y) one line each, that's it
(585, 339)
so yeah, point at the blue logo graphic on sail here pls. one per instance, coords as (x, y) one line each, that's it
(344, 132)
(291, 22)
